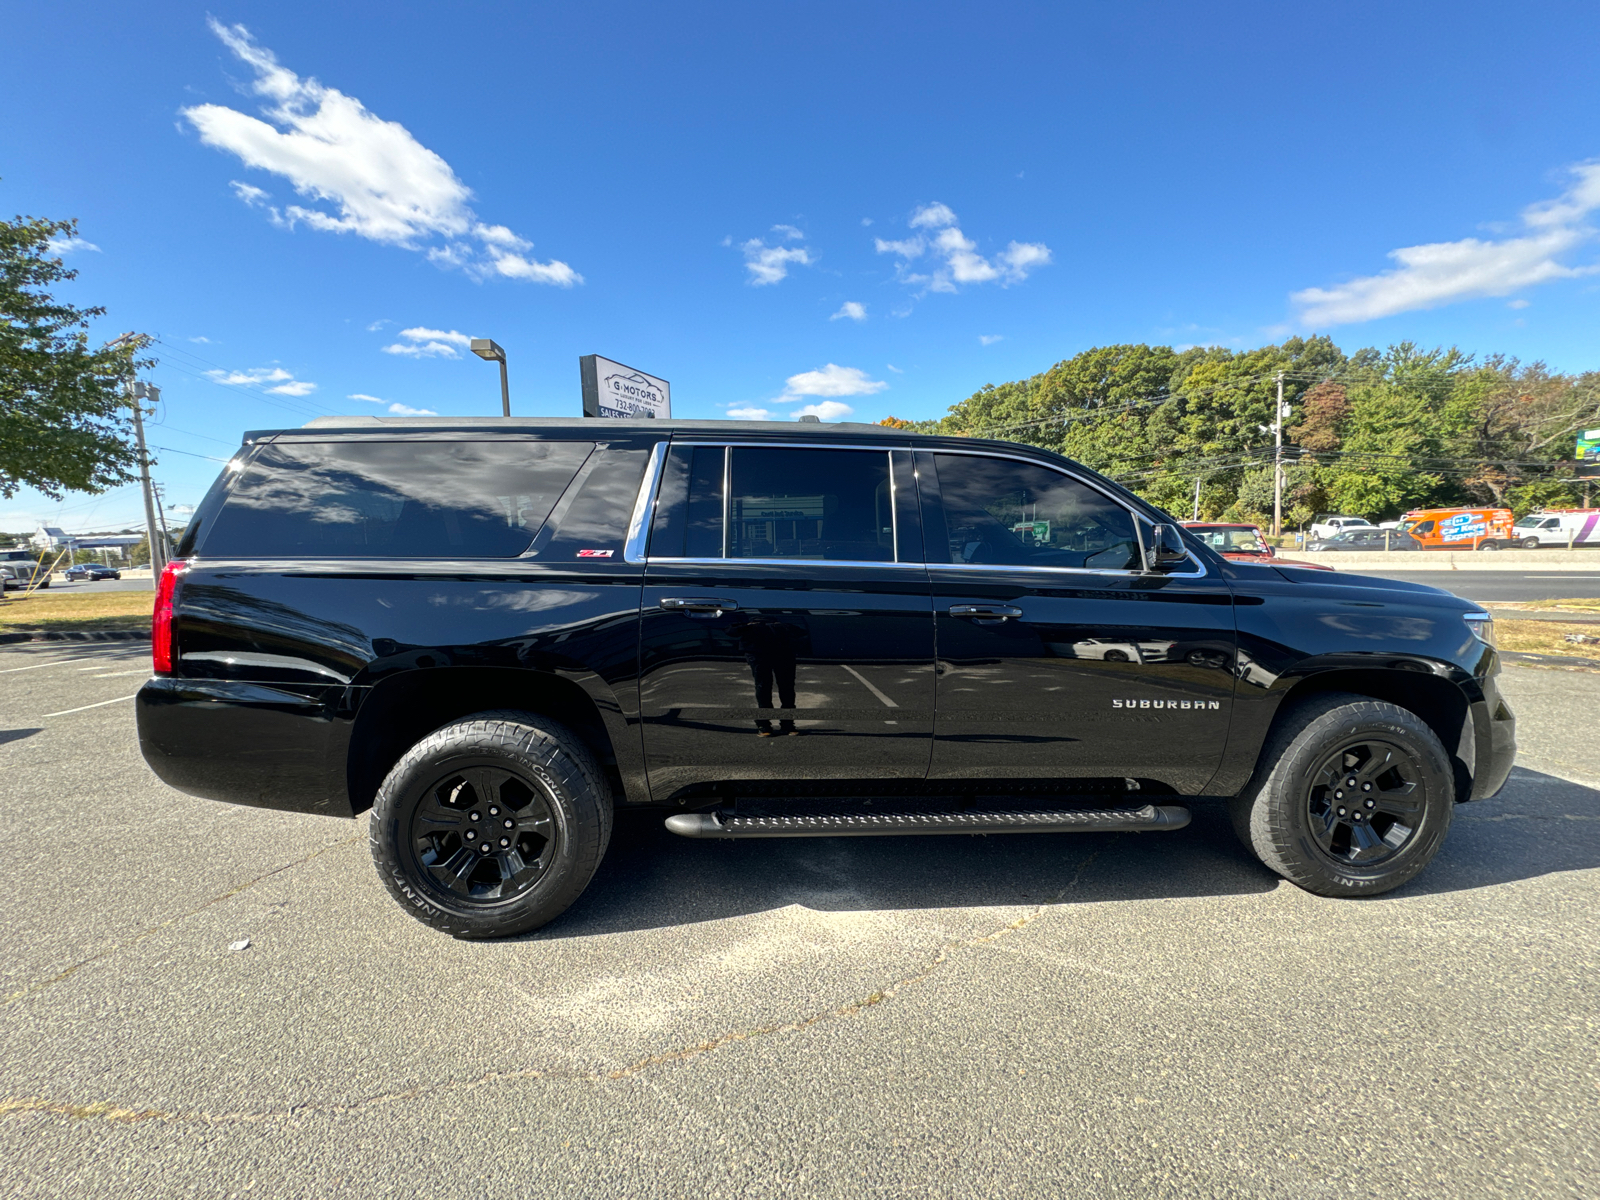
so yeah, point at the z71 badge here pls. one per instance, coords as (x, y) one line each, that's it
(1204, 705)
(594, 554)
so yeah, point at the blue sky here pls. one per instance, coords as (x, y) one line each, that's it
(856, 209)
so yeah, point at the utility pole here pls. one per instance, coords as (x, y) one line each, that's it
(1196, 516)
(1277, 463)
(136, 393)
(161, 515)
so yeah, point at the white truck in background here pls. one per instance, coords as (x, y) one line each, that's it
(1559, 527)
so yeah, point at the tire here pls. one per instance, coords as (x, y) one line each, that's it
(1530, 543)
(1290, 812)
(434, 808)
(1488, 545)
(1114, 656)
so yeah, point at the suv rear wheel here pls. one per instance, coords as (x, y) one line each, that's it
(492, 825)
(1352, 798)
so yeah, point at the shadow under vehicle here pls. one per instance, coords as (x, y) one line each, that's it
(500, 634)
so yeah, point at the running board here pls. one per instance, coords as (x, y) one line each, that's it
(1111, 820)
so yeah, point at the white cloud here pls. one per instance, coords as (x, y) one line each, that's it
(770, 264)
(933, 216)
(1440, 273)
(367, 398)
(989, 339)
(401, 410)
(70, 245)
(833, 380)
(274, 380)
(852, 309)
(202, 341)
(422, 342)
(789, 233)
(909, 248)
(895, 369)
(377, 181)
(752, 413)
(962, 264)
(377, 325)
(827, 410)
(1519, 303)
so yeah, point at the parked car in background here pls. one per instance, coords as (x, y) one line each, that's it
(1559, 527)
(91, 572)
(1328, 524)
(8, 578)
(1241, 542)
(1460, 528)
(1365, 539)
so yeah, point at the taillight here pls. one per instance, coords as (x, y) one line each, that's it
(161, 621)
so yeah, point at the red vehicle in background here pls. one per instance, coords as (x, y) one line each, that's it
(1243, 543)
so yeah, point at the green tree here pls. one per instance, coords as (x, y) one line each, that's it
(61, 426)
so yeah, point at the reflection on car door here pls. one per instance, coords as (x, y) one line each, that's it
(787, 628)
(1057, 656)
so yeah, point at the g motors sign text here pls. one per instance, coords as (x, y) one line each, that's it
(613, 390)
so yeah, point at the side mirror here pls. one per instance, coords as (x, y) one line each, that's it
(1165, 549)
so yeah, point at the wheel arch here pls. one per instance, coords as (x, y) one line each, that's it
(1439, 702)
(401, 710)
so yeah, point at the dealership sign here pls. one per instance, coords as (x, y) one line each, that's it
(613, 390)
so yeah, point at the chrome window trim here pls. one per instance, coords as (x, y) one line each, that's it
(1201, 573)
(778, 562)
(633, 550)
(894, 511)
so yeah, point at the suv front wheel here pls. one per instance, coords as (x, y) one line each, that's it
(1352, 798)
(492, 825)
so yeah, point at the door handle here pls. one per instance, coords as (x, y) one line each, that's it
(992, 612)
(710, 606)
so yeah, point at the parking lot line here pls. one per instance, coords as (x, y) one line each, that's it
(35, 666)
(84, 708)
(119, 674)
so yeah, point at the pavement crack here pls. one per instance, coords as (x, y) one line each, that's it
(40, 985)
(117, 1114)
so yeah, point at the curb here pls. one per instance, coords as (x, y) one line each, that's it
(1547, 660)
(76, 635)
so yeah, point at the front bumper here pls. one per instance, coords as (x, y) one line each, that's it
(1495, 736)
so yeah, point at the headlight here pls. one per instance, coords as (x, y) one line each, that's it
(1482, 626)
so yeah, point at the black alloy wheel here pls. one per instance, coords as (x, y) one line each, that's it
(1115, 656)
(492, 825)
(1363, 802)
(1351, 797)
(484, 834)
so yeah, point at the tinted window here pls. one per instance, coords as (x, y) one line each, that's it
(1004, 512)
(689, 510)
(400, 499)
(829, 505)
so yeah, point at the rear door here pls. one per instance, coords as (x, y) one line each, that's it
(787, 627)
(1058, 657)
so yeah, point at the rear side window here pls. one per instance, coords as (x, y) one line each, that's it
(399, 499)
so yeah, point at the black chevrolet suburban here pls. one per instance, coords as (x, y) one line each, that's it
(495, 632)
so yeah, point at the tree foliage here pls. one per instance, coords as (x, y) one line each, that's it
(1372, 433)
(61, 425)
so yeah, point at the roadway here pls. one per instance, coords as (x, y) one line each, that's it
(1104, 1016)
(1505, 585)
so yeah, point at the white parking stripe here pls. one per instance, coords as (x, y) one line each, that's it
(120, 674)
(66, 711)
(35, 666)
(868, 684)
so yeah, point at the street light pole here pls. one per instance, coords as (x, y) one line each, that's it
(135, 394)
(1277, 463)
(488, 350)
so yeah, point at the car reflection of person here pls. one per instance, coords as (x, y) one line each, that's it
(769, 648)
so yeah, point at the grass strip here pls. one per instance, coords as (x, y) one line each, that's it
(1547, 637)
(44, 612)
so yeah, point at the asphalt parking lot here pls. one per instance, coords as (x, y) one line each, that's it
(1056, 1015)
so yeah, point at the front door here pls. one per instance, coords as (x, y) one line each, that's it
(787, 629)
(1059, 657)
